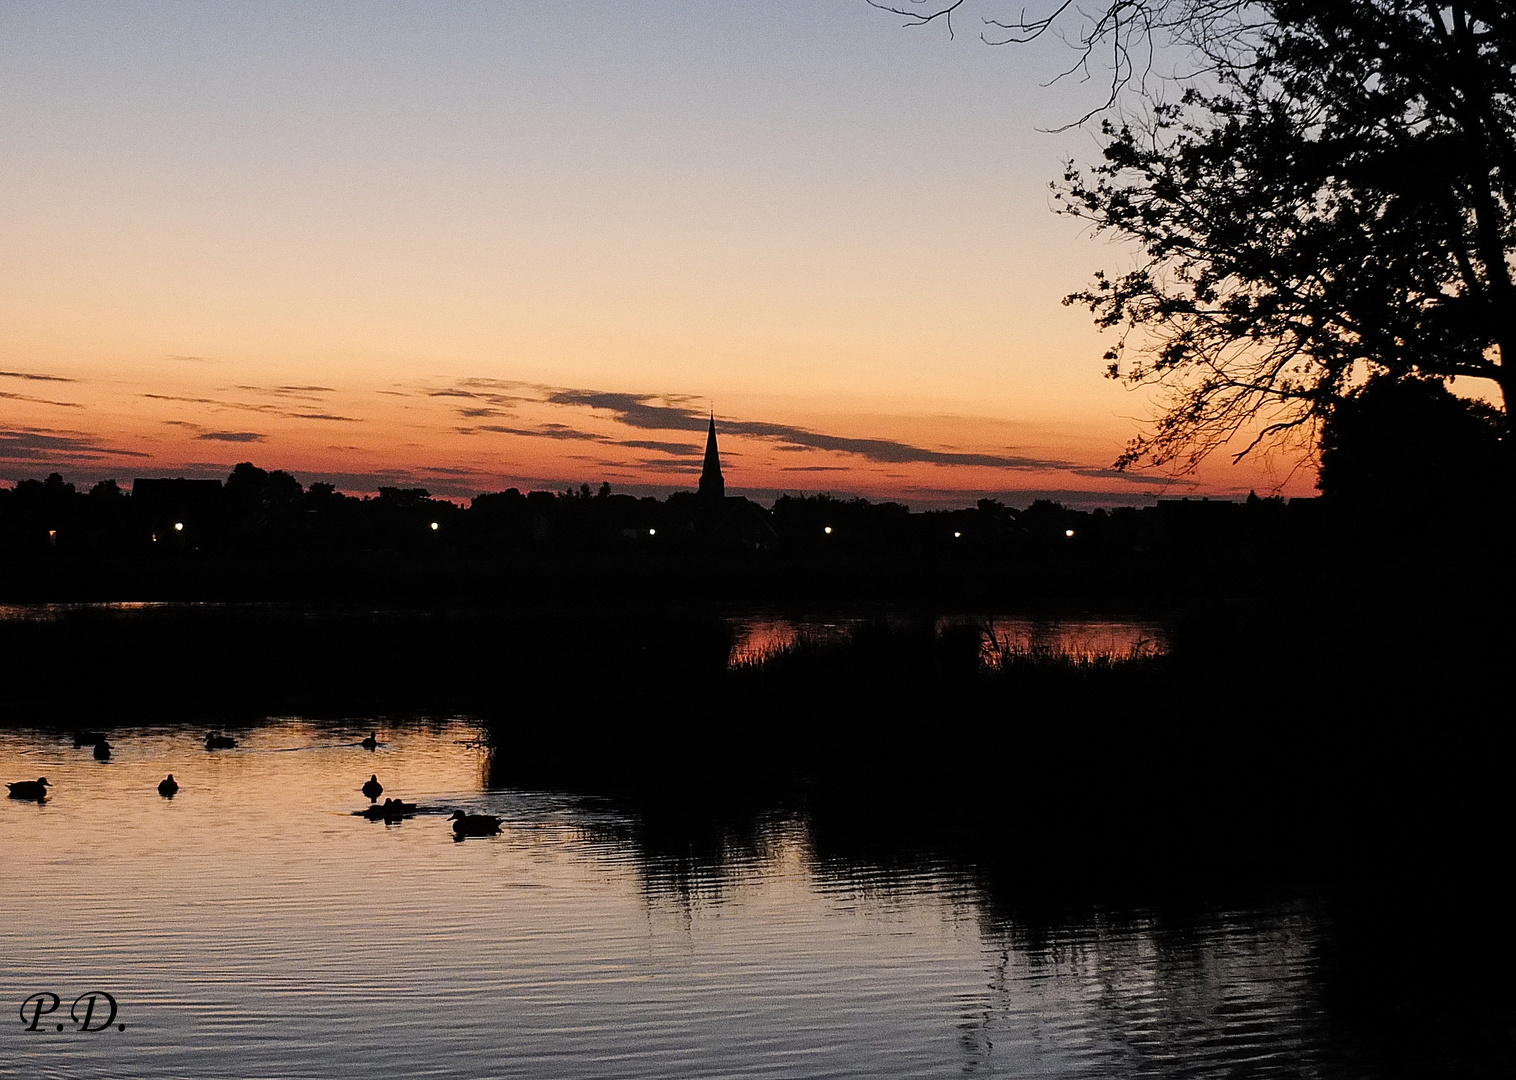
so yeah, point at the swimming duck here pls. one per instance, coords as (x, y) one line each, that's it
(372, 788)
(29, 789)
(392, 810)
(87, 738)
(219, 742)
(474, 824)
(102, 751)
(167, 786)
(370, 743)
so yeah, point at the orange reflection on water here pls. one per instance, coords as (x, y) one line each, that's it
(1084, 637)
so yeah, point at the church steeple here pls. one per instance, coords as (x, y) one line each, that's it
(711, 483)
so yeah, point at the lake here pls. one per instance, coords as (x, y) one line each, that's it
(252, 926)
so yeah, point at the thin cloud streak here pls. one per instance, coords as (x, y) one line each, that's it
(674, 449)
(265, 409)
(545, 431)
(6, 394)
(32, 377)
(1130, 476)
(232, 436)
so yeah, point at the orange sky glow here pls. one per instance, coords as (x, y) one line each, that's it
(449, 246)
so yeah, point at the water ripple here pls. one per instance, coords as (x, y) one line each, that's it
(252, 927)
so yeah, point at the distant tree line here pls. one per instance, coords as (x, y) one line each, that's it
(270, 513)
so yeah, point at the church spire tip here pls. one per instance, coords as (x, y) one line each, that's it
(712, 484)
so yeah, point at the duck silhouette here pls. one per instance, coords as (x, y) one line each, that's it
(87, 738)
(392, 810)
(30, 789)
(372, 788)
(370, 743)
(167, 786)
(102, 751)
(213, 741)
(474, 824)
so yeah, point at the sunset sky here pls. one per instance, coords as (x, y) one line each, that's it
(479, 245)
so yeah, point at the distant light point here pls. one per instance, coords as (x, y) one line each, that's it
(1068, 532)
(652, 532)
(436, 526)
(827, 530)
(956, 535)
(178, 526)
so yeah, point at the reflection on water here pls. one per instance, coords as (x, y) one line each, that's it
(53, 612)
(755, 635)
(252, 926)
(1083, 636)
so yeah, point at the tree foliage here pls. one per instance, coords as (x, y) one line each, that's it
(1328, 196)
(1409, 448)
(1338, 207)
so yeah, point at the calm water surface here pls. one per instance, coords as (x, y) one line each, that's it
(253, 927)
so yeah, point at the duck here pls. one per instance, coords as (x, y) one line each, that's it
(372, 788)
(371, 742)
(102, 751)
(87, 738)
(474, 824)
(168, 786)
(214, 741)
(30, 789)
(392, 810)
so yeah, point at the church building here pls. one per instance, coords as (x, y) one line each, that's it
(712, 485)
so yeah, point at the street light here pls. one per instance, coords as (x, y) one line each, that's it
(178, 526)
(827, 530)
(435, 526)
(1068, 532)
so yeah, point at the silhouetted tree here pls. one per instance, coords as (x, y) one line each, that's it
(257, 499)
(1330, 198)
(404, 498)
(1342, 204)
(1117, 38)
(1409, 447)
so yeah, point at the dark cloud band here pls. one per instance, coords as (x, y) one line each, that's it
(37, 445)
(232, 436)
(644, 411)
